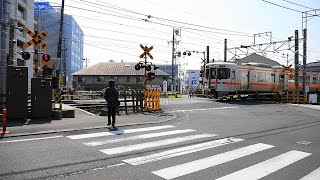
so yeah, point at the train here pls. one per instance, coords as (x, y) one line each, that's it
(227, 79)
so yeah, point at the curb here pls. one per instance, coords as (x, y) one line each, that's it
(89, 128)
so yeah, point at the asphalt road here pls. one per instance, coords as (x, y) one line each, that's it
(207, 140)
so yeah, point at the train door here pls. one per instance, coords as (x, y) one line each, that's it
(244, 80)
(213, 77)
(233, 79)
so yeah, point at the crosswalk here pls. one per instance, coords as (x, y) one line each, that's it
(137, 139)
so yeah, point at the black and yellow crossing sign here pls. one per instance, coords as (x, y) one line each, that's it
(36, 39)
(287, 69)
(203, 61)
(146, 51)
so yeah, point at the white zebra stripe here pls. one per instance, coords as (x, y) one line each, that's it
(117, 132)
(181, 151)
(267, 167)
(314, 175)
(197, 165)
(143, 136)
(123, 149)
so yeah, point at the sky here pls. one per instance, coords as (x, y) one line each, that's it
(114, 29)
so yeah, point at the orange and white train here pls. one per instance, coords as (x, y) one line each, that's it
(227, 79)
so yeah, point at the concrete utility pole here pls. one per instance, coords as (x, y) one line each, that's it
(225, 50)
(173, 58)
(4, 16)
(60, 44)
(173, 72)
(304, 59)
(296, 59)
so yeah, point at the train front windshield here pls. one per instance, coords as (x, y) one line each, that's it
(221, 73)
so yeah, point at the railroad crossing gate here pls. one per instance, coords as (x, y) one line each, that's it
(146, 51)
(36, 39)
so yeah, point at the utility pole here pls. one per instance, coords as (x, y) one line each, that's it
(173, 58)
(225, 50)
(173, 71)
(4, 16)
(296, 60)
(60, 43)
(207, 54)
(304, 59)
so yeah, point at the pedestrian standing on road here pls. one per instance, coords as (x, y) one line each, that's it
(111, 95)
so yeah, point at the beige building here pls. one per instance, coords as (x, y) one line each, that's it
(97, 76)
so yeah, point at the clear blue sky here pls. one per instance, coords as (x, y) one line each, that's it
(114, 29)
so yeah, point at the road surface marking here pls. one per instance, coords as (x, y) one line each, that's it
(314, 175)
(267, 167)
(186, 110)
(144, 136)
(181, 151)
(100, 134)
(129, 148)
(201, 164)
(31, 139)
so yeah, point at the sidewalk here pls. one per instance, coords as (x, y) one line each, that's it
(83, 120)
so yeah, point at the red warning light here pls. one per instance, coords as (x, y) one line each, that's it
(46, 58)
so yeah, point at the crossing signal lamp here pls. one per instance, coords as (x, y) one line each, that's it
(25, 55)
(46, 58)
(148, 67)
(138, 66)
(151, 75)
(201, 73)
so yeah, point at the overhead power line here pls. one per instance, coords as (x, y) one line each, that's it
(282, 6)
(297, 4)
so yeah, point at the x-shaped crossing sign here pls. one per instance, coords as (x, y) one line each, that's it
(36, 39)
(146, 51)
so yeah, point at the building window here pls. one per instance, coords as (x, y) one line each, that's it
(20, 12)
(127, 79)
(100, 78)
(81, 79)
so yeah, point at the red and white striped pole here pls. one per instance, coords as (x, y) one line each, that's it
(4, 121)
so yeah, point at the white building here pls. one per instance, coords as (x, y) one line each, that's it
(191, 80)
(21, 14)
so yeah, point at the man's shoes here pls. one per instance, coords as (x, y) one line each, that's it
(108, 124)
(113, 126)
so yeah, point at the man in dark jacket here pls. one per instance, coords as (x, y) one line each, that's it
(111, 95)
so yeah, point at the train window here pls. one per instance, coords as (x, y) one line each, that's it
(261, 77)
(314, 80)
(269, 77)
(213, 73)
(223, 73)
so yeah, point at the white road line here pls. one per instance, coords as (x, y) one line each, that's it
(144, 136)
(186, 110)
(180, 151)
(123, 149)
(100, 134)
(267, 167)
(31, 139)
(201, 164)
(314, 175)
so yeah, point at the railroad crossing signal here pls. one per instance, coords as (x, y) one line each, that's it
(36, 39)
(287, 70)
(146, 51)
